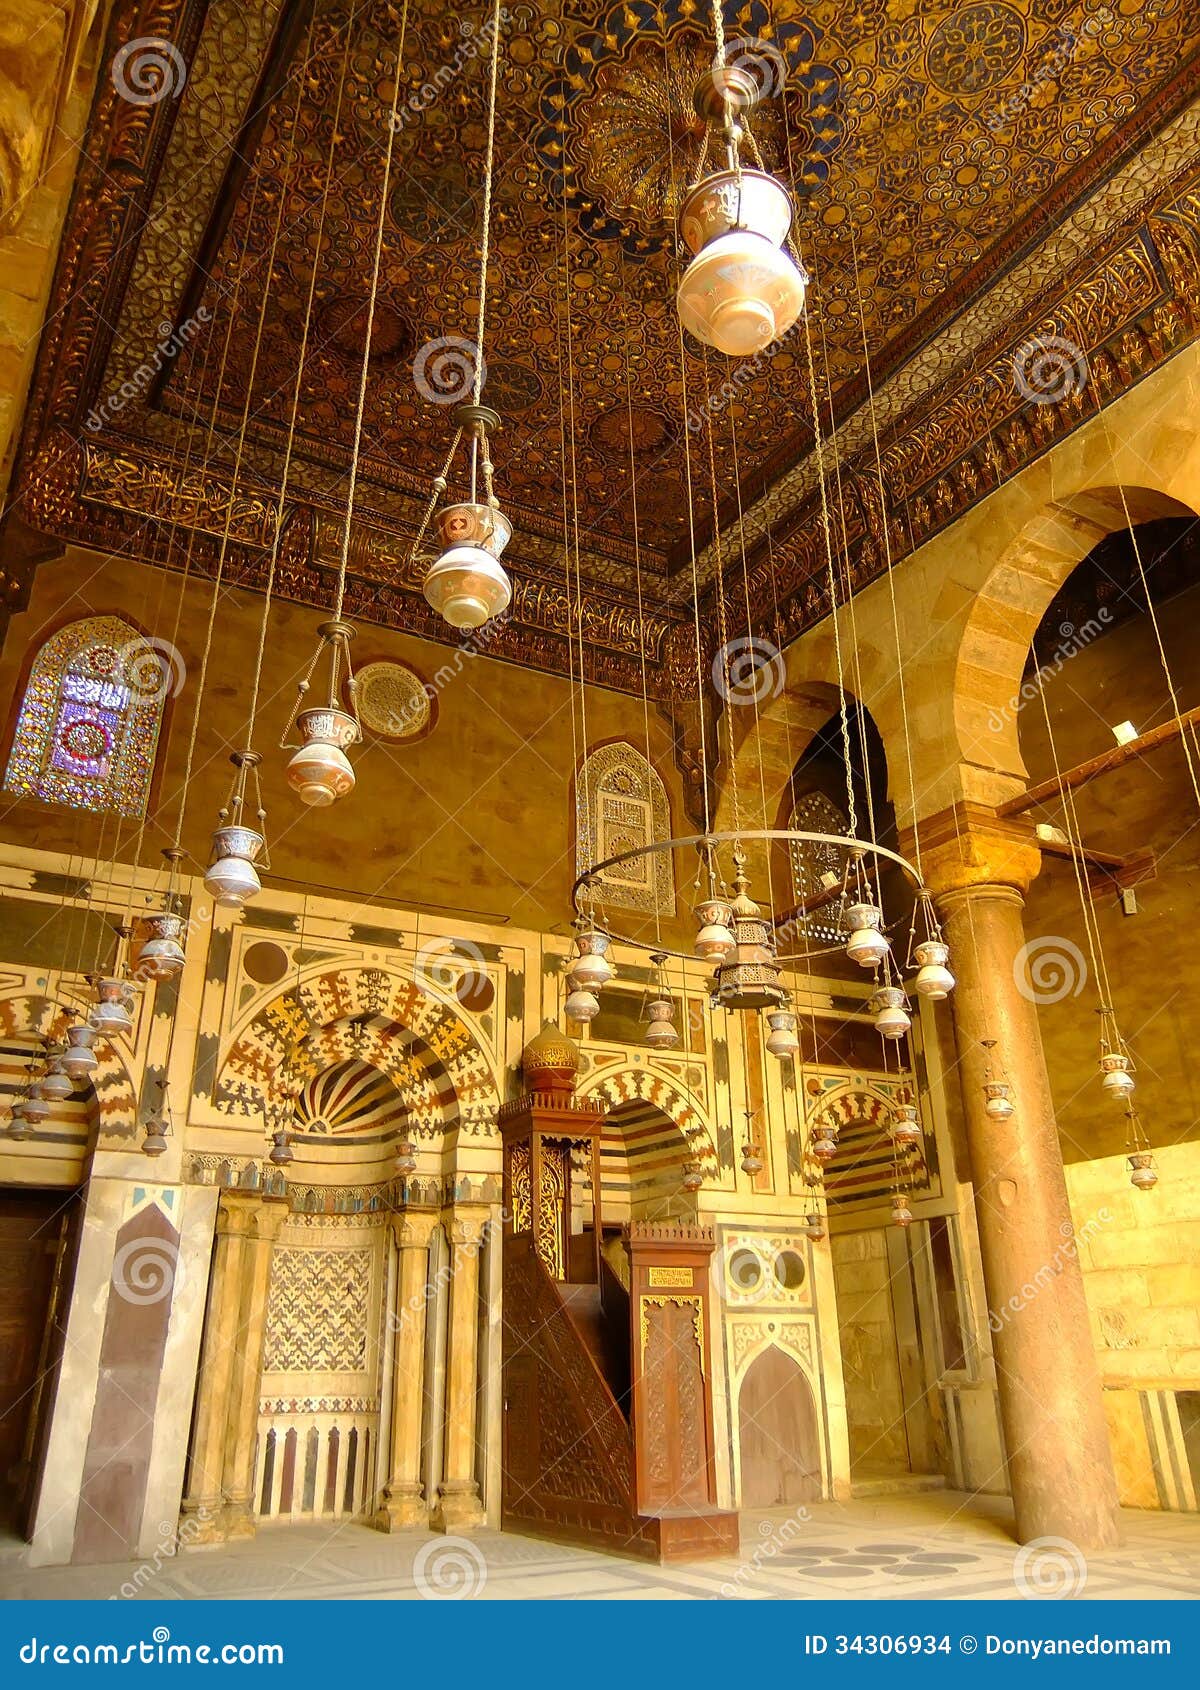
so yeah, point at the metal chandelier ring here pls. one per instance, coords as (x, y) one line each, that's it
(707, 842)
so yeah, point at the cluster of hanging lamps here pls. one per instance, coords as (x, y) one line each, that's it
(742, 289)
(231, 878)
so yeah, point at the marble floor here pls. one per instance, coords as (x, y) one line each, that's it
(937, 1544)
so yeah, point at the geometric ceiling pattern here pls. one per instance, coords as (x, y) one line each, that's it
(964, 174)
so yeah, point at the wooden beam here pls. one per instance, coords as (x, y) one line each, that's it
(1103, 865)
(1048, 790)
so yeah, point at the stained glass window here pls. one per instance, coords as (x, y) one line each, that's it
(621, 804)
(89, 722)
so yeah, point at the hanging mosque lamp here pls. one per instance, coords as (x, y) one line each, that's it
(742, 289)
(231, 878)
(468, 585)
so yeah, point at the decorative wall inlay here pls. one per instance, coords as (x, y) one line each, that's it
(394, 701)
(621, 804)
(317, 1311)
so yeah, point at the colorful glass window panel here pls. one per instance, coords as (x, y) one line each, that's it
(88, 727)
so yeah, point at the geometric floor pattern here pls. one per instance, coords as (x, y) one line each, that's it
(935, 1544)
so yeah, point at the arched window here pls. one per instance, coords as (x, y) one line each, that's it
(621, 803)
(815, 812)
(88, 727)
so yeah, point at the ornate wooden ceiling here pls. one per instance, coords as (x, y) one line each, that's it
(971, 173)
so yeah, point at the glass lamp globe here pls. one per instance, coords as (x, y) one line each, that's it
(110, 1016)
(781, 1040)
(1118, 1082)
(741, 291)
(933, 980)
(231, 879)
(693, 1176)
(57, 1083)
(79, 1059)
(155, 1141)
(715, 939)
(591, 969)
(891, 1017)
(35, 1107)
(999, 1105)
(906, 1129)
(661, 1032)
(468, 585)
(1142, 1172)
(901, 1213)
(824, 1144)
(319, 771)
(866, 946)
(20, 1127)
(582, 1005)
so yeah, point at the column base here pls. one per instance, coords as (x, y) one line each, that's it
(403, 1508)
(239, 1522)
(202, 1522)
(458, 1507)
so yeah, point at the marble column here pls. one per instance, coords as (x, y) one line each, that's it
(217, 1502)
(459, 1506)
(1059, 1462)
(242, 1426)
(404, 1502)
(202, 1509)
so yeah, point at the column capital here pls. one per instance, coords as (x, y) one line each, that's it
(251, 1214)
(465, 1226)
(969, 847)
(413, 1228)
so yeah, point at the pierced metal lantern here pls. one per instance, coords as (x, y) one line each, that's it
(406, 1158)
(749, 976)
(782, 1040)
(892, 1019)
(79, 1059)
(715, 939)
(933, 979)
(1142, 1172)
(999, 1105)
(1117, 1081)
(866, 946)
(906, 1128)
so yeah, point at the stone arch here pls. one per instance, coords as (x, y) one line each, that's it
(1009, 603)
(779, 1440)
(423, 1045)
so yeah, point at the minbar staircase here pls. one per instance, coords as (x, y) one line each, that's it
(607, 1403)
